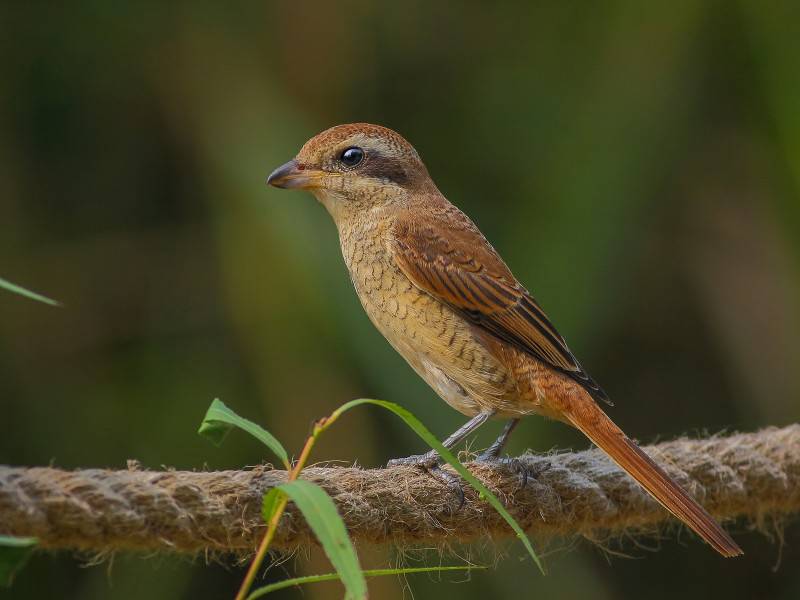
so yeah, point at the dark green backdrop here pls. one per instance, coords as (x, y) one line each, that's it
(637, 166)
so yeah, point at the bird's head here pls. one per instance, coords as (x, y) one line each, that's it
(350, 168)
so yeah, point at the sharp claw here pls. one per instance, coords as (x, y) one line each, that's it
(522, 472)
(451, 481)
(431, 462)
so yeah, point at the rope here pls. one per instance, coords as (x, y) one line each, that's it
(751, 476)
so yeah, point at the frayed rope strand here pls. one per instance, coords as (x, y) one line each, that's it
(751, 475)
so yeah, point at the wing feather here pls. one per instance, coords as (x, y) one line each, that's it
(450, 259)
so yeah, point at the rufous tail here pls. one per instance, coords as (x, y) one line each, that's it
(595, 424)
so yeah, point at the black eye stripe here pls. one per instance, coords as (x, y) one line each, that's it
(385, 168)
(352, 156)
(379, 166)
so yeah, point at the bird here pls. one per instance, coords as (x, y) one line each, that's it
(446, 301)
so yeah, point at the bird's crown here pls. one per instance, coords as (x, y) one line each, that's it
(353, 134)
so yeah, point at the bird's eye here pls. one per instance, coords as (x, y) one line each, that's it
(352, 156)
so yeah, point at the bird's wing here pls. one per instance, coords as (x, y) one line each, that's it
(450, 259)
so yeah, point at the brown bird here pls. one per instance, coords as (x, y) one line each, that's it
(445, 300)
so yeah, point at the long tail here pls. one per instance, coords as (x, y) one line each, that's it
(595, 424)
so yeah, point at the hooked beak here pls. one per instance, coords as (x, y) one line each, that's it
(294, 175)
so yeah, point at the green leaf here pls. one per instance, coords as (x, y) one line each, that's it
(270, 503)
(13, 287)
(219, 421)
(450, 458)
(287, 583)
(14, 553)
(323, 518)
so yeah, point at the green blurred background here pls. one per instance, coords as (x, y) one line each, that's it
(637, 167)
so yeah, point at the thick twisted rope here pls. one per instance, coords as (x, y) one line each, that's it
(751, 475)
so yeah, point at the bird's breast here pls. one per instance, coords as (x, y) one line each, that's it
(436, 341)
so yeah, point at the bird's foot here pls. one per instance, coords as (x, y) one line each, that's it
(431, 462)
(515, 465)
(453, 482)
(489, 455)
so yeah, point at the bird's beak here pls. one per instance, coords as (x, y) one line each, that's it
(295, 175)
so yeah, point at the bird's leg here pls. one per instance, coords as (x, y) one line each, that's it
(493, 451)
(432, 459)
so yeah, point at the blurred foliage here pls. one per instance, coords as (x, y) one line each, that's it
(638, 168)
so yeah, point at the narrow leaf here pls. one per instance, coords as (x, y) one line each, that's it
(219, 421)
(14, 553)
(423, 432)
(270, 503)
(323, 518)
(16, 289)
(287, 583)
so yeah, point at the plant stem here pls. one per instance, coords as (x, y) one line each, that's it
(272, 526)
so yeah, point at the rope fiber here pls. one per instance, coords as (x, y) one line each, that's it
(748, 475)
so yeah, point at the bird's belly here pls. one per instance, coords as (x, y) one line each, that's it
(437, 342)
